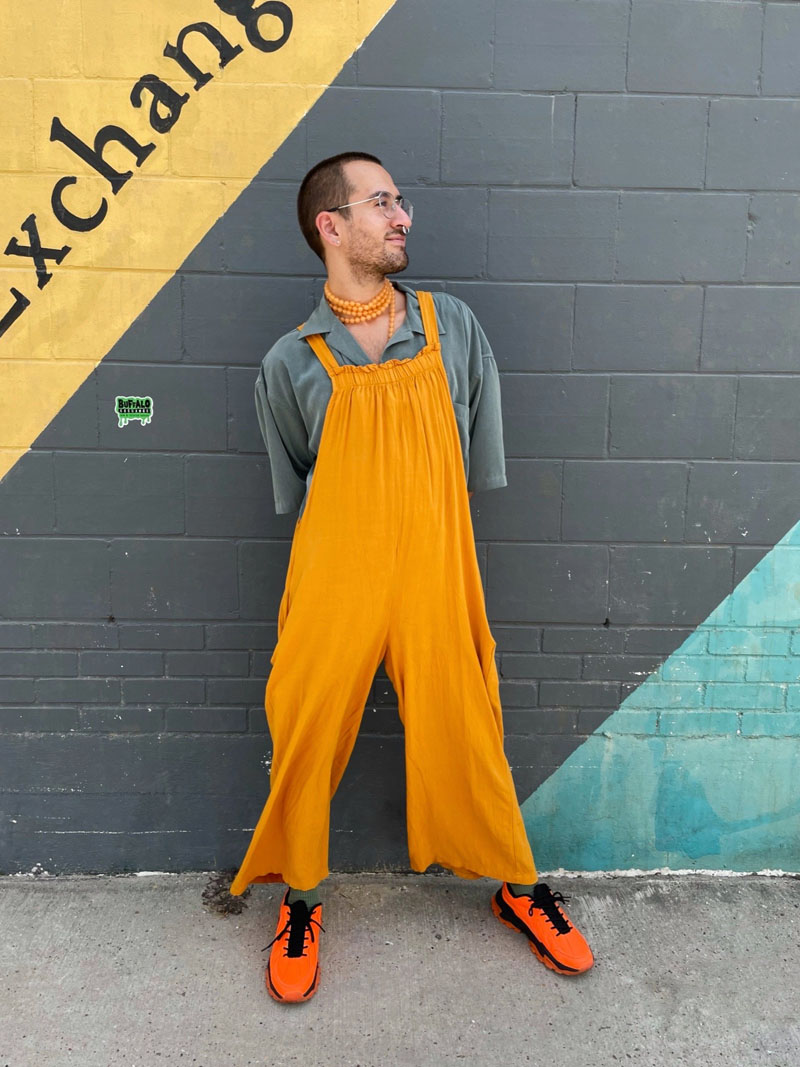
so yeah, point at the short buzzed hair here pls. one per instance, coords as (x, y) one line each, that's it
(325, 186)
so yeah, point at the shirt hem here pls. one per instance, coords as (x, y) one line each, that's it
(498, 482)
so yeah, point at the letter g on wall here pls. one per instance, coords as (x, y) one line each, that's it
(249, 16)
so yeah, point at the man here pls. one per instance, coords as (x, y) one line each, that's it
(381, 416)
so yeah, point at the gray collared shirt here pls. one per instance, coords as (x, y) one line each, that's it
(292, 391)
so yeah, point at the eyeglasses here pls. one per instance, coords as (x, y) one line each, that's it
(386, 203)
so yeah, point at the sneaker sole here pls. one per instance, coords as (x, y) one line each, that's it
(510, 919)
(309, 993)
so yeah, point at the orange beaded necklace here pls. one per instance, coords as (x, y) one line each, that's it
(351, 312)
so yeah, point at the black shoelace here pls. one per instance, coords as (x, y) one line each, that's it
(548, 902)
(298, 923)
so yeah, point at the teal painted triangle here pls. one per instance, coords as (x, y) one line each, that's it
(699, 767)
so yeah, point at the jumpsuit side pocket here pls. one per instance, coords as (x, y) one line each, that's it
(285, 604)
(299, 527)
(461, 412)
(492, 678)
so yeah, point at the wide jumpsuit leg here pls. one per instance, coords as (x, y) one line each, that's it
(383, 566)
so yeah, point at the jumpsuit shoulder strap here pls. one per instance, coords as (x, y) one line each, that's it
(323, 353)
(428, 316)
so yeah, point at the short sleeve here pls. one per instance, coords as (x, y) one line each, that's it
(286, 441)
(487, 463)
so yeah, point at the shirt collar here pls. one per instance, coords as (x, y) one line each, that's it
(322, 319)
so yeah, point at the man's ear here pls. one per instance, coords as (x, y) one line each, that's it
(327, 225)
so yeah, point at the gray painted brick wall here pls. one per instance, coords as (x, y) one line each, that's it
(612, 186)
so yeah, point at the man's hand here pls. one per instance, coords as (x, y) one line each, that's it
(471, 495)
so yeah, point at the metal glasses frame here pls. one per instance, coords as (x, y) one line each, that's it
(397, 202)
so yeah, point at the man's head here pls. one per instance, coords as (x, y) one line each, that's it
(359, 238)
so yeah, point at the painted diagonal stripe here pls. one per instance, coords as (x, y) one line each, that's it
(699, 766)
(78, 61)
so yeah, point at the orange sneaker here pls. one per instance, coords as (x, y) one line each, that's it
(293, 967)
(544, 922)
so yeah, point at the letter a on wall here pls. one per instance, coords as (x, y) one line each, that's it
(126, 132)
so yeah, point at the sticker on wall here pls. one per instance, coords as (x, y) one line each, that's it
(128, 408)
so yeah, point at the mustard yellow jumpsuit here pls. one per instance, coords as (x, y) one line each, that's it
(389, 479)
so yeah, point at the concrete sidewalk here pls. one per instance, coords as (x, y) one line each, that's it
(416, 972)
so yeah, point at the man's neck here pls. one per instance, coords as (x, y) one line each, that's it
(348, 287)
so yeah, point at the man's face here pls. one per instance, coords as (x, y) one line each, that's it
(373, 245)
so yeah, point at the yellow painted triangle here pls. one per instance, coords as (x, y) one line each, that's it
(78, 60)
